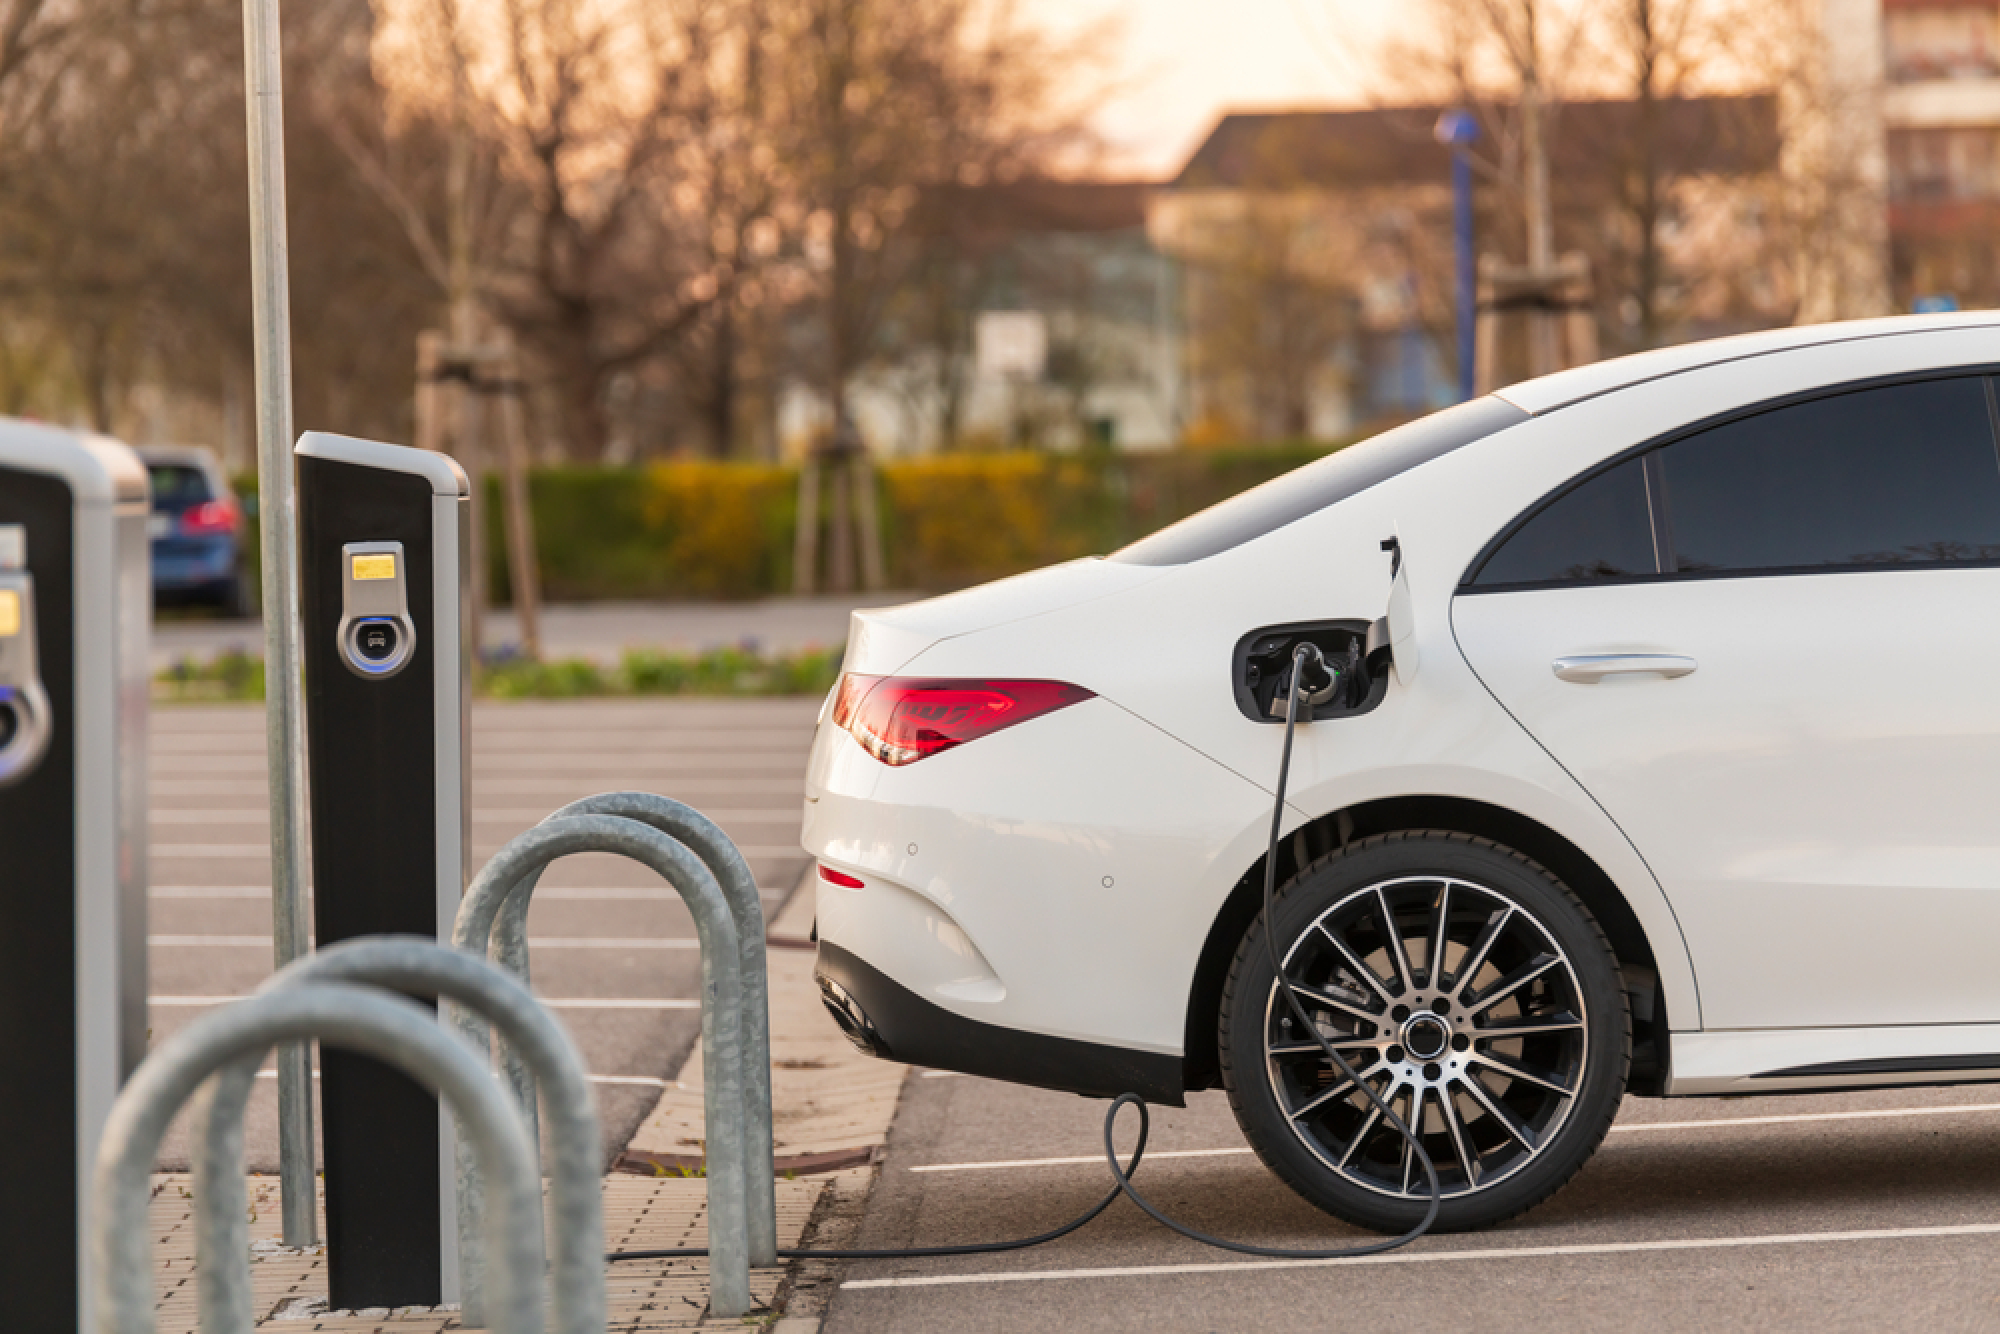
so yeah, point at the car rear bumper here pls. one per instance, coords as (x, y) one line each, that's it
(191, 564)
(1049, 888)
(886, 1019)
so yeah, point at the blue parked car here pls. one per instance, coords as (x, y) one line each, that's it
(197, 531)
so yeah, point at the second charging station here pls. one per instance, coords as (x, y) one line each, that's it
(383, 540)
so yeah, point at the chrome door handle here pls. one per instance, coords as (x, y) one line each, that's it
(1590, 668)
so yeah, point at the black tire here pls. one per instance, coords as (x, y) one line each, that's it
(239, 597)
(1525, 1112)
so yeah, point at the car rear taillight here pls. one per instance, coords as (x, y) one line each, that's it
(902, 719)
(209, 518)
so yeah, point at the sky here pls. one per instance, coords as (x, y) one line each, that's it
(1182, 63)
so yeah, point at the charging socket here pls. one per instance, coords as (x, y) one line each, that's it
(1261, 666)
(377, 636)
(24, 703)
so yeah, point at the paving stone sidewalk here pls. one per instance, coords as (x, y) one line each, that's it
(830, 1104)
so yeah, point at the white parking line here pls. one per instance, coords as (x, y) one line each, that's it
(1067, 1162)
(1634, 1127)
(534, 942)
(1441, 1257)
(545, 892)
(524, 818)
(749, 850)
(1885, 1113)
(633, 895)
(634, 1081)
(564, 1003)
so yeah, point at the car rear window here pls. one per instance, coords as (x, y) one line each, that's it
(1601, 529)
(178, 485)
(1302, 491)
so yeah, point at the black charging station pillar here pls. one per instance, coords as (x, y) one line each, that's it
(76, 603)
(382, 572)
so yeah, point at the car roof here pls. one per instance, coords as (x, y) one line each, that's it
(1550, 392)
(200, 455)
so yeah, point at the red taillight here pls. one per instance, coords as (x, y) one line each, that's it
(209, 518)
(841, 878)
(902, 719)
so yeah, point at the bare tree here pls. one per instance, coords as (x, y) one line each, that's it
(886, 97)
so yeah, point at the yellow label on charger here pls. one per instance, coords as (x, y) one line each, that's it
(10, 613)
(375, 567)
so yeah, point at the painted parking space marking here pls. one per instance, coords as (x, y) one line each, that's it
(523, 818)
(1406, 1257)
(750, 851)
(559, 1003)
(634, 1081)
(535, 942)
(1714, 1123)
(1151, 1155)
(579, 894)
(1802, 1118)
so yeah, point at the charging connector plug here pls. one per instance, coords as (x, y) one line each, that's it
(1318, 681)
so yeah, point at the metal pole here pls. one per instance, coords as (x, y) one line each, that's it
(284, 695)
(1458, 130)
(1461, 217)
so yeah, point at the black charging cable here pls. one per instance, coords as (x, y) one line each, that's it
(1306, 656)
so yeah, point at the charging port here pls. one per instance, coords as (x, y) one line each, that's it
(1260, 668)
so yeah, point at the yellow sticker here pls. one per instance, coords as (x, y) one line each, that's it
(10, 613)
(375, 567)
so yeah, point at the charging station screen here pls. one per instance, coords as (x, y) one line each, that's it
(381, 566)
(10, 613)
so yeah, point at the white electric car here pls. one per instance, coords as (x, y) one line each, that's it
(1666, 759)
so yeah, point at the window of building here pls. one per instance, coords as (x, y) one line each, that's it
(1942, 41)
(1935, 164)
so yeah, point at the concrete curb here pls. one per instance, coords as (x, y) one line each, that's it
(831, 1106)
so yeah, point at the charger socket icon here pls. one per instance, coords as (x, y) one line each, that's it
(376, 635)
(25, 721)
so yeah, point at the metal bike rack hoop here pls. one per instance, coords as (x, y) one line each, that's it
(515, 868)
(418, 966)
(388, 1028)
(683, 822)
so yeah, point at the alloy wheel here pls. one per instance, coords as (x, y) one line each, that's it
(1457, 1007)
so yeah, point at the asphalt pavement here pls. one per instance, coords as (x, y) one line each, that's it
(613, 949)
(1866, 1211)
(599, 631)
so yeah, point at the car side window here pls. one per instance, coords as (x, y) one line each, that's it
(1901, 474)
(1600, 529)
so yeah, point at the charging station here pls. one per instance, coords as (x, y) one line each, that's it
(76, 605)
(383, 574)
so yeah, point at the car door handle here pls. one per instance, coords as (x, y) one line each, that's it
(1590, 668)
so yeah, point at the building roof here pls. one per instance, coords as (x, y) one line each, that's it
(1396, 145)
(1039, 205)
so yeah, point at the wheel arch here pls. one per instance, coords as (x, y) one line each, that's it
(1527, 836)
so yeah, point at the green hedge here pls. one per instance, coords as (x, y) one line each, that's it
(722, 530)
